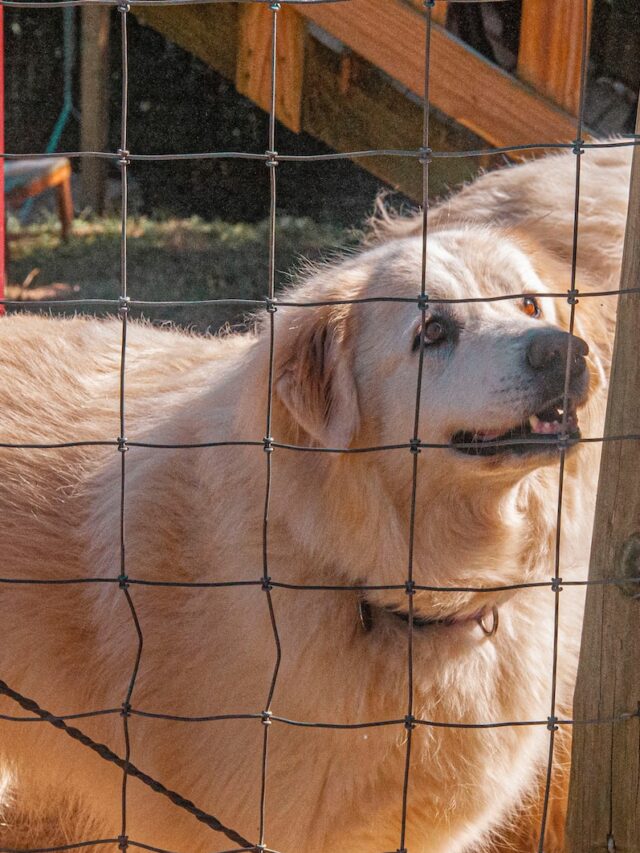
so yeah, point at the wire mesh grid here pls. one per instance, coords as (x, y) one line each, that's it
(271, 304)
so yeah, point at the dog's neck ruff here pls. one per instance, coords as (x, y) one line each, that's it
(488, 620)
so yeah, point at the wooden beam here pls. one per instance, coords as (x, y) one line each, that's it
(604, 798)
(550, 50)
(210, 32)
(369, 112)
(253, 68)
(390, 35)
(94, 100)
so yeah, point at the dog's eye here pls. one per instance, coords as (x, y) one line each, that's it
(531, 307)
(434, 332)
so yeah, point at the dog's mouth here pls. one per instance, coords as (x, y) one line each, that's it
(538, 433)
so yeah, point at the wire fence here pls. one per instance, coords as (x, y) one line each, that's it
(271, 304)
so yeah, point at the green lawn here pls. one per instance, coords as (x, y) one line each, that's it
(166, 260)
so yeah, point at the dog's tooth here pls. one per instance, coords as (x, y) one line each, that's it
(534, 423)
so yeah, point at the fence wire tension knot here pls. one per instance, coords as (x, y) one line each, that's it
(556, 584)
(424, 155)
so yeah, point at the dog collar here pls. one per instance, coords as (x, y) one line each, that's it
(489, 621)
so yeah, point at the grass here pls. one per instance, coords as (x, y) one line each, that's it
(174, 259)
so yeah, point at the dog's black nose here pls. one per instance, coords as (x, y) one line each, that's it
(547, 350)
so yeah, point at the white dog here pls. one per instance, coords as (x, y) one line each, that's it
(345, 376)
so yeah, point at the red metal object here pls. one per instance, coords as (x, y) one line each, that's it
(3, 236)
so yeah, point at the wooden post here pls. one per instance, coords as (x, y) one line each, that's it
(604, 797)
(253, 69)
(550, 50)
(439, 13)
(94, 104)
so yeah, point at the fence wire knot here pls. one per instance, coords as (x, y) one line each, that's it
(611, 844)
(275, 7)
(122, 444)
(572, 296)
(410, 587)
(124, 303)
(423, 301)
(409, 722)
(577, 146)
(272, 158)
(266, 584)
(552, 724)
(123, 842)
(266, 718)
(123, 156)
(425, 153)
(414, 445)
(270, 305)
(556, 585)
(125, 710)
(123, 581)
(267, 444)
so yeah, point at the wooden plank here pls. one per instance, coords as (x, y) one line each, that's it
(253, 68)
(207, 31)
(550, 50)
(41, 183)
(604, 797)
(390, 34)
(371, 113)
(94, 89)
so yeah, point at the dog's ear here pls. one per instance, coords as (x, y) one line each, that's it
(314, 372)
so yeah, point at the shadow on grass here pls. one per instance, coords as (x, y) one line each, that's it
(186, 259)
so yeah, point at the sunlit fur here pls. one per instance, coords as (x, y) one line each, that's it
(344, 376)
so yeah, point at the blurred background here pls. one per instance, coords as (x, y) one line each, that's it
(350, 77)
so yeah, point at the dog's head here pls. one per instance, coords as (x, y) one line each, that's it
(494, 373)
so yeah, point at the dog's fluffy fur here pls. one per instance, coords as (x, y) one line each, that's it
(345, 375)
